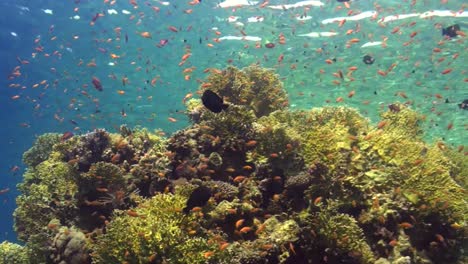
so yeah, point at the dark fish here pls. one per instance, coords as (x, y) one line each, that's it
(95, 17)
(198, 198)
(394, 108)
(213, 102)
(97, 84)
(66, 135)
(341, 1)
(451, 31)
(368, 59)
(464, 105)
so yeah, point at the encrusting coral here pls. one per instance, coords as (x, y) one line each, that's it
(278, 186)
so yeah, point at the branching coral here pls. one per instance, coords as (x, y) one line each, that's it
(41, 149)
(47, 193)
(257, 88)
(13, 253)
(155, 232)
(342, 234)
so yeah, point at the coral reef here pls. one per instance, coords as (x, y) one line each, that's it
(13, 253)
(265, 185)
(155, 232)
(41, 149)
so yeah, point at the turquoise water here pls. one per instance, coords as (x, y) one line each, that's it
(59, 49)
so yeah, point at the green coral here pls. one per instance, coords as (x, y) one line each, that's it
(104, 173)
(41, 149)
(157, 230)
(235, 121)
(12, 253)
(405, 121)
(257, 88)
(424, 172)
(276, 144)
(51, 182)
(280, 232)
(431, 181)
(328, 136)
(459, 159)
(47, 193)
(342, 233)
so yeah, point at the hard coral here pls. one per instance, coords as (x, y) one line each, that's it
(12, 253)
(257, 88)
(69, 246)
(215, 147)
(47, 193)
(342, 234)
(41, 149)
(85, 150)
(155, 232)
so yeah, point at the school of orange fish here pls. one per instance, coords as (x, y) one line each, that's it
(139, 62)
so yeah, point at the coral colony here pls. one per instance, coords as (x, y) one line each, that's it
(251, 183)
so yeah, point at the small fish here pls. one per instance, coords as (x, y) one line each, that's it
(451, 31)
(464, 105)
(368, 59)
(145, 34)
(162, 43)
(245, 229)
(66, 135)
(3, 191)
(97, 84)
(213, 102)
(198, 198)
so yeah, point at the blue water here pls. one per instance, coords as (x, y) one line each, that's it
(141, 61)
